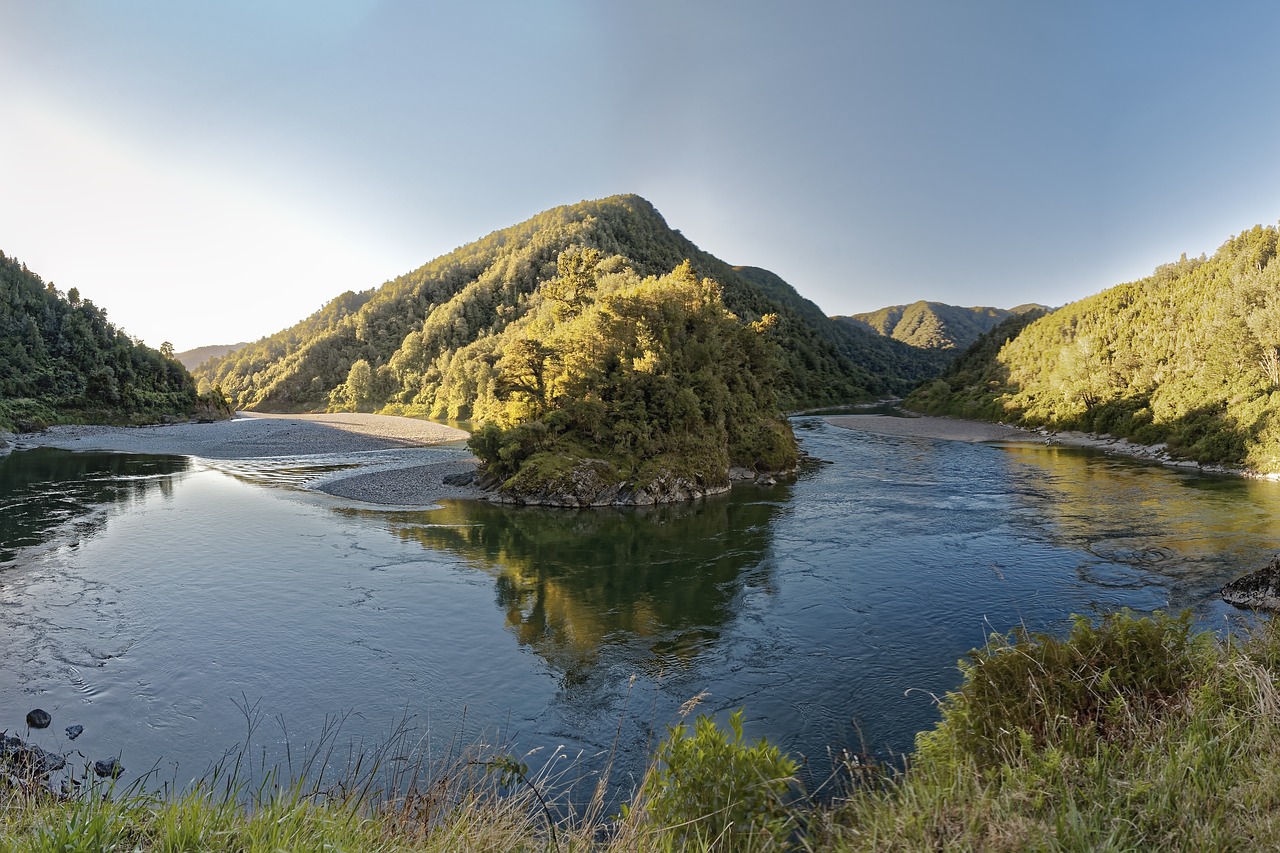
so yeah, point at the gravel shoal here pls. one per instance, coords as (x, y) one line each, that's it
(249, 436)
(259, 436)
(417, 485)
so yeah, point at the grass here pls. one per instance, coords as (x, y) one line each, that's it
(1132, 733)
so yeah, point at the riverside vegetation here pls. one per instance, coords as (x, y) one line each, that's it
(1131, 733)
(61, 361)
(605, 357)
(1188, 357)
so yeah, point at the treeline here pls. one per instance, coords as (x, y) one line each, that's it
(62, 361)
(427, 342)
(1189, 356)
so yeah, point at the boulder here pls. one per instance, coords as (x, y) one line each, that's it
(24, 759)
(108, 767)
(1258, 590)
(38, 718)
(462, 478)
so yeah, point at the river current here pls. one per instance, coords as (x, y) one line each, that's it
(176, 607)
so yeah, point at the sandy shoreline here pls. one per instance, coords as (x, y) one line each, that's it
(259, 436)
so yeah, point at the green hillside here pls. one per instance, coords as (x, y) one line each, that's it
(61, 361)
(430, 337)
(193, 358)
(1189, 356)
(934, 325)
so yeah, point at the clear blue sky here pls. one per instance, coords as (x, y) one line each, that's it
(213, 172)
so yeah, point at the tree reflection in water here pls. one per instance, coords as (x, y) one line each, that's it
(571, 582)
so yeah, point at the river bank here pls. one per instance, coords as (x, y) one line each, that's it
(256, 436)
(983, 432)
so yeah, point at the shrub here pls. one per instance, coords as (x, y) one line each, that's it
(1031, 691)
(710, 787)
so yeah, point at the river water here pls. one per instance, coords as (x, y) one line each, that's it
(167, 603)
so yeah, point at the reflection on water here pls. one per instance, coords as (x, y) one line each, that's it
(43, 490)
(1139, 525)
(572, 583)
(149, 597)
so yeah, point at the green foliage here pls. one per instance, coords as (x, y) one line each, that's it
(1033, 691)
(644, 381)
(1189, 356)
(61, 361)
(709, 786)
(434, 336)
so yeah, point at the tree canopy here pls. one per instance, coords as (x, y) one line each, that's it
(62, 361)
(1189, 356)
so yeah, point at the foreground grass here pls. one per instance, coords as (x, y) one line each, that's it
(1131, 734)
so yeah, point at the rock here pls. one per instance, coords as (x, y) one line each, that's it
(738, 473)
(462, 478)
(39, 718)
(1256, 590)
(26, 759)
(74, 732)
(766, 480)
(108, 767)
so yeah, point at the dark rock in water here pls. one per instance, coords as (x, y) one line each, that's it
(74, 732)
(1257, 590)
(39, 718)
(26, 759)
(110, 767)
(463, 478)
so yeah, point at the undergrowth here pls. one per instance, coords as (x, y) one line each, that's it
(1131, 733)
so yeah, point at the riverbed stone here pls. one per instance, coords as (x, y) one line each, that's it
(38, 718)
(1256, 590)
(25, 759)
(74, 732)
(108, 767)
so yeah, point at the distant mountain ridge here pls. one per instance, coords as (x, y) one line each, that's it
(193, 358)
(430, 338)
(935, 325)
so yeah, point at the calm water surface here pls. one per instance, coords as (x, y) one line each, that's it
(153, 599)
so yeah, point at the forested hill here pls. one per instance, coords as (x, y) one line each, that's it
(193, 358)
(427, 343)
(1189, 356)
(935, 325)
(62, 361)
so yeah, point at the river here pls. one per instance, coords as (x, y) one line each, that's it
(177, 607)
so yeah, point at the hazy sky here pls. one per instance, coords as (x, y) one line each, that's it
(213, 172)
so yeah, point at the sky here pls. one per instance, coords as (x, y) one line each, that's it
(214, 172)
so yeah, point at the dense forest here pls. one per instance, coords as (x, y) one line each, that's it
(935, 325)
(427, 341)
(1189, 356)
(61, 361)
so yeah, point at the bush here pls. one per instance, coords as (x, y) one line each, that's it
(710, 787)
(1031, 691)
